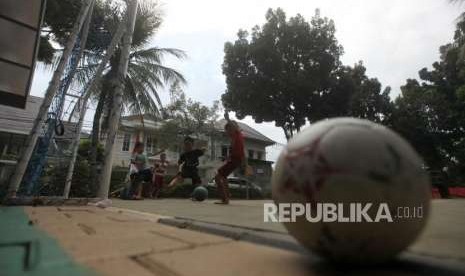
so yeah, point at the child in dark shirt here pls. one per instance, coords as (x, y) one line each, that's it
(188, 163)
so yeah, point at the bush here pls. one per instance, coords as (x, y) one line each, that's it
(53, 177)
(85, 148)
(118, 178)
(184, 190)
(267, 194)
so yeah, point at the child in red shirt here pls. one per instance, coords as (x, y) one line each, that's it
(235, 160)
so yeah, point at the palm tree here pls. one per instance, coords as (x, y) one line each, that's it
(146, 72)
(146, 75)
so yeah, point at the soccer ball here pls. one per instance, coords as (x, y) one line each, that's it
(200, 193)
(349, 164)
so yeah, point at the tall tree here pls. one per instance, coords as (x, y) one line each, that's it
(289, 71)
(282, 71)
(184, 116)
(59, 20)
(431, 114)
(146, 75)
(146, 71)
(354, 94)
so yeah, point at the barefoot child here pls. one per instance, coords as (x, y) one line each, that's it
(142, 172)
(188, 163)
(159, 174)
(235, 160)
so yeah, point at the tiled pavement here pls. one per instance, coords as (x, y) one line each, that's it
(119, 242)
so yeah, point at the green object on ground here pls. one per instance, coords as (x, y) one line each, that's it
(27, 250)
(200, 193)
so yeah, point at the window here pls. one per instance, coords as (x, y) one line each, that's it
(251, 153)
(259, 155)
(10, 145)
(212, 150)
(224, 151)
(126, 142)
(150, 144)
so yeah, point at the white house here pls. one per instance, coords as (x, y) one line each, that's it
(132, 130)
(16, 123)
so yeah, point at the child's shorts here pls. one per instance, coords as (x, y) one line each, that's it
(158, 180)
(192, 174)
(144, 175)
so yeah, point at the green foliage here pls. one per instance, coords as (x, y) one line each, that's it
(118, 178)
(355, 94)
(85, 150)
(289, 72)
(431, 114)
(185, 116)
(54, 175)
(60, 16)
(146, 74)
(183, 190)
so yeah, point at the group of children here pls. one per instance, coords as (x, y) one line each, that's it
(141, 173)
(187, 167)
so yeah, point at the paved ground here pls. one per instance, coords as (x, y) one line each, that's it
(442, 238)
(246, 213)
(116, 241)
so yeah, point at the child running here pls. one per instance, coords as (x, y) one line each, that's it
(188, 163)
(235, 160)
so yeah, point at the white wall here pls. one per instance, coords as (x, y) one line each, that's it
(122, 158)
(249, 145)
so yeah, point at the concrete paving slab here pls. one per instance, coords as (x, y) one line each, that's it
(244, 213)
(238, 258)
(26, 250)
(123, 242)
(121, 266)
(443, 236)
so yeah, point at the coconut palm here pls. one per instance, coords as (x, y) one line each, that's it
(146, 75)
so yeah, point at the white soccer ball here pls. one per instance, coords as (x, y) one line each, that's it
(344, 162)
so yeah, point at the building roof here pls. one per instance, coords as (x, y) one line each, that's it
(18, 120)
(150, 123)
(247, 131)
(134, 121)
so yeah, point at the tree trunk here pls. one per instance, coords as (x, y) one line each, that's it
(287, 132)
(51, 91)
(83, 109)
(115, 114)
(95, 137)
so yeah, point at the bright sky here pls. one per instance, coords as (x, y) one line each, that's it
(394, 39)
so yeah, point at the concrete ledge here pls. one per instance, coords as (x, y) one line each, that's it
(142, 215)
(258, 236)
(415, 263)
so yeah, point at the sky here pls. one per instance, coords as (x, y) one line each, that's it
(394, 39)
